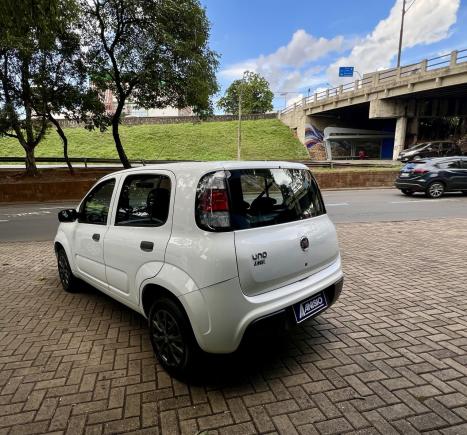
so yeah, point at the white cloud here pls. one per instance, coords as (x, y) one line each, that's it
(426, 21)
(294, 67)
(286, 68)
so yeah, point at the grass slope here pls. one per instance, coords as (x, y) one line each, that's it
(267, 139)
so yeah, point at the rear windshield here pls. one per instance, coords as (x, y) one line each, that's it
(263, 197)
(412, 165)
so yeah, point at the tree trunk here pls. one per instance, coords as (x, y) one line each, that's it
(31, 168)
(116, 135)
(64, 139)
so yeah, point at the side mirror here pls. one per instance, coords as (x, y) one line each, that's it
(68, 215)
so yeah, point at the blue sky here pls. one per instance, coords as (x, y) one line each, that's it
(298, 45)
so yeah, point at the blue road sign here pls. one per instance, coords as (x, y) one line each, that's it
(346, 71)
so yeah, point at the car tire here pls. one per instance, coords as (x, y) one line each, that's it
(172, 339)
(464, 192)
(69, 282)
(435, 190)
(407, 192)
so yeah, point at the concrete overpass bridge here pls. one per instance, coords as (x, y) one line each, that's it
(382, 104)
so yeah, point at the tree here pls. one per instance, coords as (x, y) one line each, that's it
(67, 91)
(255, 95)
(32, 32)
(154, 53)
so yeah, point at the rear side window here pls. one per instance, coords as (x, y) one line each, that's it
(252, 198)
(144, 201)
(449, 165)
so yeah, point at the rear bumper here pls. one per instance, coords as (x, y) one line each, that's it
(414, 186)
(231, 313)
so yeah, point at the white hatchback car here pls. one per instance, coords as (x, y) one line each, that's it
(204, 250)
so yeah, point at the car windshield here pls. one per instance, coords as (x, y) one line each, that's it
(418, 146)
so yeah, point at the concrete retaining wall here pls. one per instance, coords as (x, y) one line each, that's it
(75, 189)
(140, 120)
(352, 179)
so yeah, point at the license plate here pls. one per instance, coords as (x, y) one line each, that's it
(405, 174)
(309, 307)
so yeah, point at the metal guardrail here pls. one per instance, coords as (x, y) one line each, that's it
(87, 161)
(455, 57)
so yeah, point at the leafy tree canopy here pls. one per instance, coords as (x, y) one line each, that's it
(256, 96)
(42, 72)
(154, 53)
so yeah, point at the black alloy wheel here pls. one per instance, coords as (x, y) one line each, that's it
(68, 280)
(172, 338)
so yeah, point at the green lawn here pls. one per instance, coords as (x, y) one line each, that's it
(267, 139)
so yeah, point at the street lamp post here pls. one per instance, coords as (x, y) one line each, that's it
(239, 129)
(401, 34)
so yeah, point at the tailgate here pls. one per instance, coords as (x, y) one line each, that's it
(274, 256)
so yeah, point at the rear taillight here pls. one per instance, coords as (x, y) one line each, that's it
(212, 202)
(420, 171)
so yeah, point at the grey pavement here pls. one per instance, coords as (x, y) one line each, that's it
(28, 222)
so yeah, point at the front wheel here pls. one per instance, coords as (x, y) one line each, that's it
(68, 280)
(435, 190)
(407, 192)
(172, 338)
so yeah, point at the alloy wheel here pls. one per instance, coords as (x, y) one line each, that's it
(436, 190)
(168, 339)
(64, 269)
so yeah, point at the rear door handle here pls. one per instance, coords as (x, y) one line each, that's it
(96, 237)
(146, 246)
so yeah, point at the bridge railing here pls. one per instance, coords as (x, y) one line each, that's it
(456, 57)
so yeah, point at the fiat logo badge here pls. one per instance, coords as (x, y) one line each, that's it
(304, 243)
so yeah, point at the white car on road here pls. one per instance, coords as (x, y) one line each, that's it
(204, 250)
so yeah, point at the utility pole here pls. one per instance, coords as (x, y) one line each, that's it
(239, 128)
(401, 34)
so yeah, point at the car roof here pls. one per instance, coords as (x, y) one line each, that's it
(177, 167)
(435, 160)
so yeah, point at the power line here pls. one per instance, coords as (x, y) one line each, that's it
(411, 4)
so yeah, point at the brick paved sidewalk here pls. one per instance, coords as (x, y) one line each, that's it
(389, 357)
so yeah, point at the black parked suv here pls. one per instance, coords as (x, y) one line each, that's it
(434, 176)
(430, 149)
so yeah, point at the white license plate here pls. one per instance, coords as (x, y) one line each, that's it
(309, 307)
(405, 174)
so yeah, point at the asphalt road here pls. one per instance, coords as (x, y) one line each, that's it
(27, 222)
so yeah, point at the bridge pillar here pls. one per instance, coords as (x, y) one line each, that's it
(399, 136)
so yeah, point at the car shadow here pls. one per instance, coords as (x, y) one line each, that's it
(269, 353)
(262, 356)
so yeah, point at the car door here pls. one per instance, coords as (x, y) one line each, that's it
(453, 174)
(88, 242)
(135, 244)
(463, 174)
(433, 150)
(447, 149)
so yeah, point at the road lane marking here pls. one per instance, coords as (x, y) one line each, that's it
(4, 220)
(423, 201)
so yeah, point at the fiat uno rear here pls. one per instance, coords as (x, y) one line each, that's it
(237, 243)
